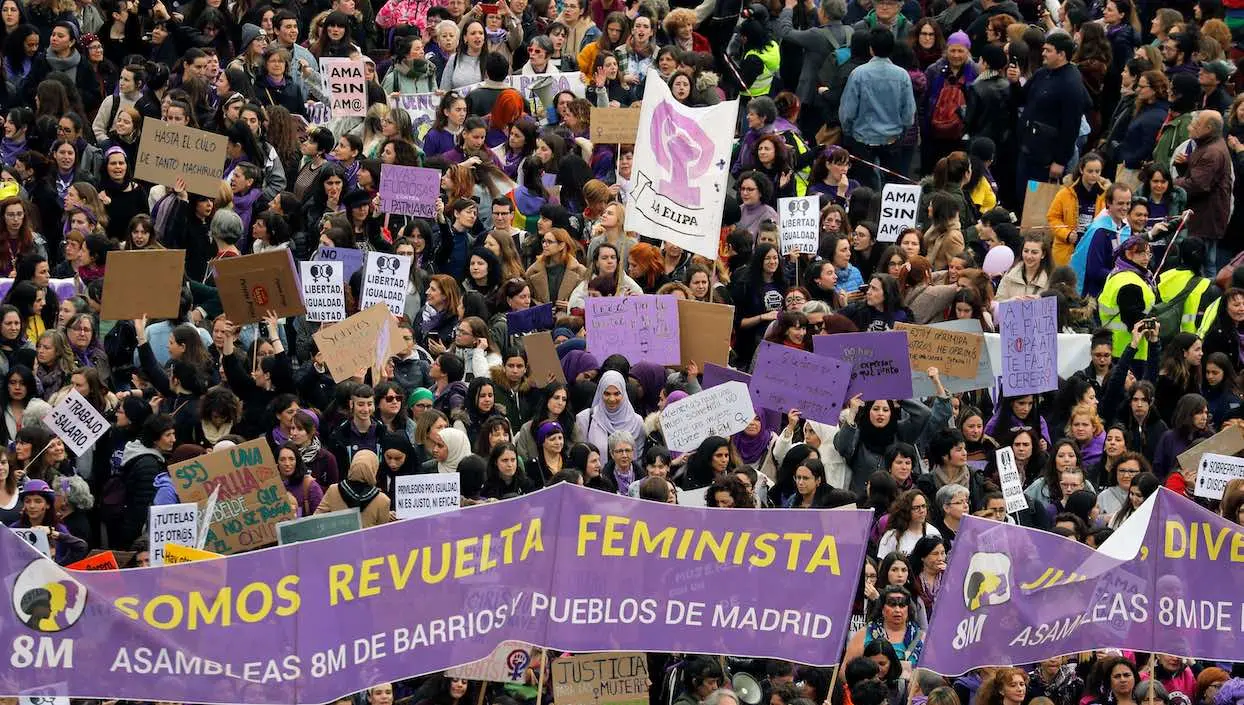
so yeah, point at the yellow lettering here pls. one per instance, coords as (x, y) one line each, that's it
(201, 613)
(265, 603)
(126, 606)
(486, 561)
(584, 534)
(740, 547)
(765, 552)
(464, 556)
(340, 575)
(1039, 581)
(1175, 531)
(401, 575)
(1215, 544)
(719, 549)
(534, 540)
(613, 534)
(286, 589)
(796, 540)
(826, 556)
(507, 535)
(643, 538)
(174, 604)
(369, 576)
(1237, 548)
(428, 576)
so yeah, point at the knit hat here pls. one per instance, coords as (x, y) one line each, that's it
(1133, 242)
(675, 396)
(227, 226)
(1221, 69)
(548, 428)
(565, 333)
(419, 394)
(38, 487)
(250, 33)
(136, 410)
(960, 38)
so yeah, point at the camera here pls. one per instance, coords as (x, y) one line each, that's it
(1149, 324)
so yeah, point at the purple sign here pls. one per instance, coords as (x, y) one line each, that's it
(567, 567)
(409, 190)
(785, 378)
(1029, 345)
(351, 259)
(881, 367)
(714, 375)
(1168, 581)
(638, 327)
(530, 319)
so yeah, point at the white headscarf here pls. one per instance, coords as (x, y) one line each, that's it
(602, 422)
(458, 447)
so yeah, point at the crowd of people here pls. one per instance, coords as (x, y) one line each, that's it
(1080, 150)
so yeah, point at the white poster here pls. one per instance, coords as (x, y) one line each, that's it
(718, 411)
(385, 278)
(76, 422)
(1215, 472)
(347, 86)
(1012, 484)
(171, 523)
(800, 224)
(899, 203)
(425, 495)
(323, 290)
(38, 540)
(682, 162)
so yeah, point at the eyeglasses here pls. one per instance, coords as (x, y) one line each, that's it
(390, 397)
(746, 188)
(624, 451)
(1127, 471)
(896, 602)
(82, 329)
(548, 241)
(914, 507)
(62, 129)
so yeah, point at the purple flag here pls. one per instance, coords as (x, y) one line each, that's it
(530, 319)
(785, 378)
(881, 367)
(566, 567)
(1029, 345)
(1168, 580)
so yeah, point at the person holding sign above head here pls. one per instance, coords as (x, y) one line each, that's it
(38, 512)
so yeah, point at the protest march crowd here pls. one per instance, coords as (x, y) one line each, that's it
(983, 170)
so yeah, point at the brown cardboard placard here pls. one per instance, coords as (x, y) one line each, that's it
(252, 498)
(252, 285)
(704, 332)
(167, 152)
(1229, 441)
(951, 352)
(542, 359)
(614, 125)
(609, 678)
(1037, 205)
(353, 344)
(138, 282)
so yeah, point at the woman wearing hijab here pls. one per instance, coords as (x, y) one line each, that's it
(753, 441)
(359, 490)
(580, 368)
(457, 446)
(651, 378)
(611, 411)
(397, 459)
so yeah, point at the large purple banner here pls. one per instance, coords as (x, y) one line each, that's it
(567, 568)
(1168, 581)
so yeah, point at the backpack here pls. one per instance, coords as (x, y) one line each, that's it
(841, 54)
(1169, 314)
(946, 118)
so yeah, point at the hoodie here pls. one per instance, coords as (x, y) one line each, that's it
(359, 491)
(140, 465)
(164, 491)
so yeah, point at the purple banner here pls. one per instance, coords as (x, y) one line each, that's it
(785, 378)
(530, 319)
(639, 328)
(714, 375)
(1168, 580)
(881, 367)
(567, 568)
(1029, 345)
(409, 190)
(351, 259)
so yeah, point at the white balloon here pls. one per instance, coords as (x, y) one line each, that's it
(998, 260)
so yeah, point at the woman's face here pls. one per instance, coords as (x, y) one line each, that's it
(299, 435)
(65, 156)
(832, 222)
(434, 296)
(486, 399)
(1081, 428)
(478, 269)
(909, 243)
(517, 140)
(927, 37)
(879, 414)
(699, 284)
(842, 253)
(875, 295)
(457, 688)
(772, 262)
(17, 388)
(612, 397)
(498, 435)
(680, 87)
(721, 459)
(45, 351)
(658, 468)
(11, 325)
(473, 140)
(1213, 374)
(1193, 355)
(749, 194)
(606, 260)
(123, 125)
(766, 153)
(1201, 419)
(276, 66)
(805, 481)
(1121, 681)
(1090, 173)
(901, 469)
(507, 463)
(1032, 255)
(10, 14)
(666, 65)
(609, 218)
(332, 187)
(286, 462)
(957, 507)
(641, 32)
(35, 506)
(520, 301)
(116, 167)
(935, 562)
(1140, 404)
(1125, 472)
(897, 574)
(557, 403)
(543, 152)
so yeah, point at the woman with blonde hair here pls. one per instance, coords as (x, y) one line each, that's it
(556, 272)
(1085, 429)
(54, 362)
(609, 228)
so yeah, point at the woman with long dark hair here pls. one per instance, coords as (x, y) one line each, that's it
(1189, 424)
(758, 296)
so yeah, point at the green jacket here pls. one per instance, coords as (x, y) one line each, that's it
(1170, 136)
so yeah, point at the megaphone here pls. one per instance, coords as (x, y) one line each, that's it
(746, 687)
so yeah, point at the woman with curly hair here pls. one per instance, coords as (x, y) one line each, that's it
(1008, 686)
(728, 492)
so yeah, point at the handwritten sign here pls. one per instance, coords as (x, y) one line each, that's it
(636, 327)
(880, 366)
(347, 86)
(385, 279)
(723, 410)
(323, 292)
(409, 190)
(171, 523)
(176, 553)
(506, 664)
(1029, 345)
(104, 560)
(351, 259)
(951, 352)
(800, 224)
(351, 345)
(168, 152)
(611, 678)
(530, 319)
(1012, 483)
(899, 205)
(425, 495)
(1214, 472)
(76, 422)
(982, 378)
(614, 125)
(252, 498)
(785, 378)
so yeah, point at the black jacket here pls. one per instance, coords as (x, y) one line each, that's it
(991, 110)
(84, 79)
(976, 30)
(139, 467)
(1054, 101)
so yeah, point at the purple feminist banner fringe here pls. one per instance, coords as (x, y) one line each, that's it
(568, 568)
(1167, 581)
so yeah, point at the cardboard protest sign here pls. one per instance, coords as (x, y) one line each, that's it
(530, 319)
(1214, 472)
(1012, 483)
(799, 225)
(251, 285)
(104, 560)
(323, 292)
(351, 259)
(704, 332)
(880, 365)
(637, 327)
(785, 378)
(171, 523)
(385, 279)
(982, 378)
(1029, 330)
(138, 282)
(36, 539)
(425, 495)
(168, 152)
(76, 422)
(1229, 441)
(409, 190)
(318, 526)
(542, 361)
(899, 203)
(347, 86)
(614, 125)
(950, 352)
(610, 678)
(353, 344)
(506, 664)
(723, 410)
(177, 553)
(252, 498)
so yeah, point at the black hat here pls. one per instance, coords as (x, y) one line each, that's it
(357, 198)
